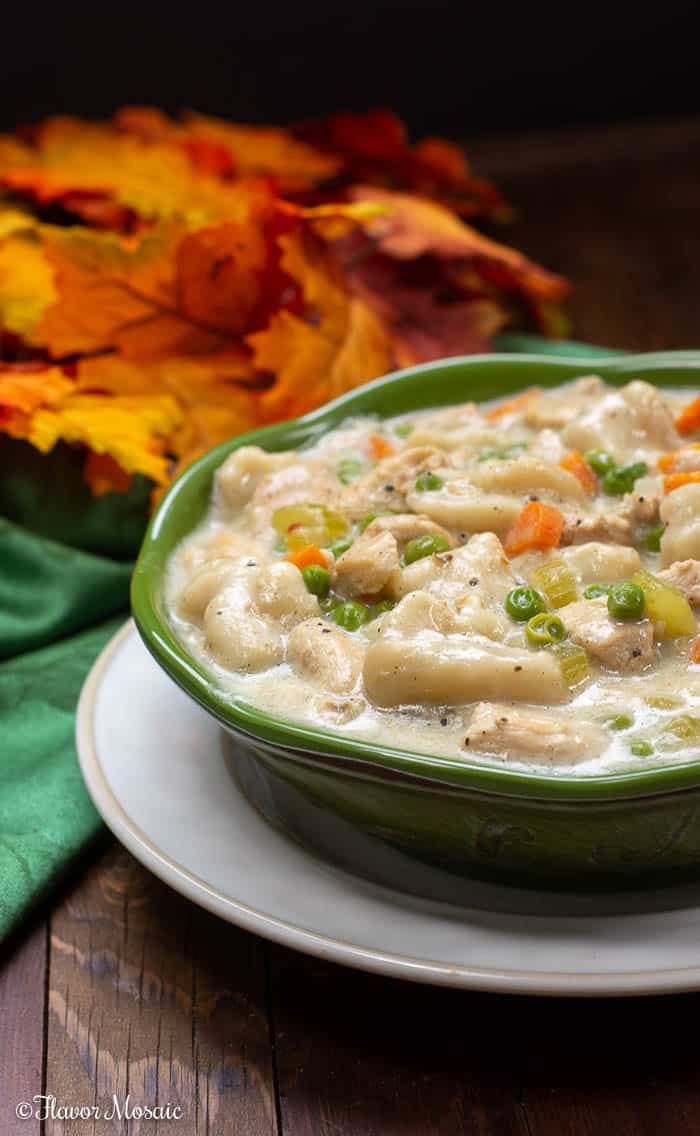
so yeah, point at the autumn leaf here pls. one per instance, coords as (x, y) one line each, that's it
(86, 168)
(373, 147)
(410, 227)
(24, 389)
(168, 283)
(320, 354)
(214, 404)
(75, 291)
(43, 406)
(424, 317)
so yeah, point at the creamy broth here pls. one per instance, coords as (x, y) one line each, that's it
(515, 582)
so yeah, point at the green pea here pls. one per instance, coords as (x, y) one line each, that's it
(641, 748)
(351, 615)
(600, 461)
(404, 429)
(428, 482)
(626, 601)
(381, 607)
(593, 591)
(426, 545)
(317, 580)
(619, 722)
(618, 481)
(366, 520)
(522, 603)
(338, 547)
(544, 629)
(349, 469)
(652, 540)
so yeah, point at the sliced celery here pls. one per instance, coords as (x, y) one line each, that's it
(300, 525)
(668, 610)
(556, 582)
(573, 661)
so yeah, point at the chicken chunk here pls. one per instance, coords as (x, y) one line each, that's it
(582, 528)
(555, 410)
(238, 478)
(407, 526)
(474, 576)
(685, 576)
(452, 428)
(527, 475)
(309, 481)
(547, 446)
(368, 565)
(532, 735)
(680, 512)
(628, 423)
(623, 647)
(598, 563)
(385, 487)
(327, 656)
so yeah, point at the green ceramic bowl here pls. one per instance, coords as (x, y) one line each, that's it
(633, 828)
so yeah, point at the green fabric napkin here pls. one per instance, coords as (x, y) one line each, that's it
(56, 600)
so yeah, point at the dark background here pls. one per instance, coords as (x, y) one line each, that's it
(457, 68)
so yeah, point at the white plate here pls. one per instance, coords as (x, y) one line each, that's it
(159, 771)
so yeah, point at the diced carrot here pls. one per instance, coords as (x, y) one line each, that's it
(575, 463)
(307, 556)
(667, 463)
(688, 421)
(513, 405)
(380, 447)
(537, 526)
(695, 650)
(676, 480)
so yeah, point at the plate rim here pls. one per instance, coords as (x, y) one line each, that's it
(389, 964)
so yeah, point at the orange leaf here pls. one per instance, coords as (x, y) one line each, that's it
(412, 227)
(336, 344)
(538, 526)
(575, 463)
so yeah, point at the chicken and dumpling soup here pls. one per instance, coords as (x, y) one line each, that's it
(514, 582)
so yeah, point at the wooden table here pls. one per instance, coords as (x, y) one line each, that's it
(119, 986)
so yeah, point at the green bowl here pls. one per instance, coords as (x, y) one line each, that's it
(632, 829)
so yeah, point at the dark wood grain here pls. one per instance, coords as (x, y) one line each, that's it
(615, 210)
(22, 999)
(150, 997)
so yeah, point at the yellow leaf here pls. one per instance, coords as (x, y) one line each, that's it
(26, 278)
(131, 429)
